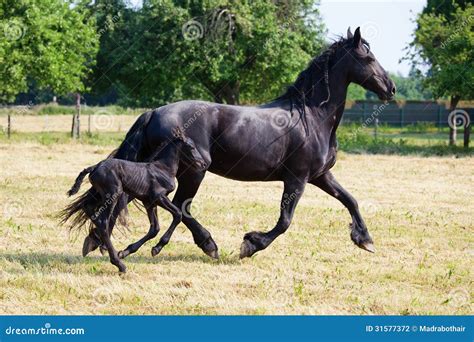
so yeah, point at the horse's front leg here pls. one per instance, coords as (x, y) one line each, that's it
(256, 241)
(152, 232)
(359, 233)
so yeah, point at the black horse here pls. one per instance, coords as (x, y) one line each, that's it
(292, 139)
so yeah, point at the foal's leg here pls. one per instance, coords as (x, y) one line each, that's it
(165, 203)
(256, 241)
(359, 233)
(152, 232)
(102, 223)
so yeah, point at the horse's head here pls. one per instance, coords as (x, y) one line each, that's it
(363, 68)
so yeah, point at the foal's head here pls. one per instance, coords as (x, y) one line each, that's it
(362, 67)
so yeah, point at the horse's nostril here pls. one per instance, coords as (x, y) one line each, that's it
(394, 90)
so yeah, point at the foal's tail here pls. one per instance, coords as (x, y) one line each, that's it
(83, 208)
(77, 184)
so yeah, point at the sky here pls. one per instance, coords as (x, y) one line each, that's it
(387, 25)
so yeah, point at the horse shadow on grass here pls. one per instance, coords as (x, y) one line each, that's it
(59, 261)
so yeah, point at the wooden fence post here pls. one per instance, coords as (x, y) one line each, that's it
(401, 116)
(376, 126)
(9, 126)
(76, 119)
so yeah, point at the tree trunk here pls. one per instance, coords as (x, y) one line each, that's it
(231, 92)
(452, 125)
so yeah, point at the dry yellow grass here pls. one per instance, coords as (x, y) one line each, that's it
(418, 210)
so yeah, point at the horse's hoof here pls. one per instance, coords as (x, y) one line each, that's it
(121, 255)
(368, 246)
(213, 254)
(155, 251)
(89, 246)
(247, 249)
(210, 248)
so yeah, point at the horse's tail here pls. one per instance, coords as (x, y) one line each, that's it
(77, 184)
(82, 209)
(132, 147)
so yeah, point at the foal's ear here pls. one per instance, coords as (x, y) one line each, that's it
(349, 33)
(357, 38)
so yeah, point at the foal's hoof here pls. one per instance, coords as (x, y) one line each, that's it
(89, 246)
(368, 246)
(155, 251)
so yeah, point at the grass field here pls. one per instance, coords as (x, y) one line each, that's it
(419, 211)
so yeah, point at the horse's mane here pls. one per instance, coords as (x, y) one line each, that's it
(316, 71)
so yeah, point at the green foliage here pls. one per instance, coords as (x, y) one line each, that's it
(49, 42)
(356, 92)
(221, 50)
(411, 87)
(444, 45)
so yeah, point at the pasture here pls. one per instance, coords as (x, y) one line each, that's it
(418, 209)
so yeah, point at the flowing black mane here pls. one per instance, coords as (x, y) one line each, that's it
(317, 71)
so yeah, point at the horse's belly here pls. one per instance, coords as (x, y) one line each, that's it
(248, 167)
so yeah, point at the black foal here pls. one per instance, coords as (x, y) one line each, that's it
(148, 182)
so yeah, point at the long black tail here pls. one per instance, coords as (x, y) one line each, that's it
(77, 184)
(83, 207)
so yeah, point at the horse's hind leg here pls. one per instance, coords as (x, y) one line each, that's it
(165, 203)
(152, 232)
(102, 223)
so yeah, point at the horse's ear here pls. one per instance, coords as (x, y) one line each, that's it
(357, 37)
(349, 33)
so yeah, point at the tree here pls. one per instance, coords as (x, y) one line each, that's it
(410, 87)
(221, 50)
(51, 43)
(443, 45)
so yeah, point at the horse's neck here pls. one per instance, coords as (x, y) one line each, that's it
(329, 115)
